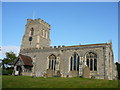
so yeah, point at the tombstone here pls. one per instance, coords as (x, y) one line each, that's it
(58, 74)
(86, 72)
(49, 73)
(74, 73)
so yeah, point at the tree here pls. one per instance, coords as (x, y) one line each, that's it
(118, 69)
(8, 62)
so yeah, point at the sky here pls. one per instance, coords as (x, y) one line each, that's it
(71, 23)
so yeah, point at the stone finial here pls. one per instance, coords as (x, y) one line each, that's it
(29, 20)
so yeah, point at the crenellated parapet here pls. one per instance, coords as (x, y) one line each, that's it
(65, 47)
(42, 48)
(39, 21)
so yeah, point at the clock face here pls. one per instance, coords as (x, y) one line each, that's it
(30, 38)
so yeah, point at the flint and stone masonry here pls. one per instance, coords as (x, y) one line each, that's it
(88, 61)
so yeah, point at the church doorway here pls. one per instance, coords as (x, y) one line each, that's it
(19, 69)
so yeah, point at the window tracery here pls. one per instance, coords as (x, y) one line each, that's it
(91, 59)
(74, 62)
(52, 62)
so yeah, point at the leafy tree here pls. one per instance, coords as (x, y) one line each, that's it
(8, 62)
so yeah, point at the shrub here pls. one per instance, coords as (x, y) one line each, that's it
(92, 77)
(7, 72)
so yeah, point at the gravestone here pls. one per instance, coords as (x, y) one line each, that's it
(74, 73)
(49, 73)
(86, 72)
(58, 73)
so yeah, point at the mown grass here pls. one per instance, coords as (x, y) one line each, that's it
(55, 82)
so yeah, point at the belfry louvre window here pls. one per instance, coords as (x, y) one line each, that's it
(52, 62)
(74, 62)
(32, 31)
(91, 59)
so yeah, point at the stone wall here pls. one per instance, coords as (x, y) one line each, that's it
(64, 53)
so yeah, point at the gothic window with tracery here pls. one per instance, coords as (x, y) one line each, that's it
(74, 62)
(91, 59)
(52, 62)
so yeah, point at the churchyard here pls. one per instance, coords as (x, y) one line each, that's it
(55, 82)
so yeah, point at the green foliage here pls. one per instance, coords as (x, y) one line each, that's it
(9, 60)
(8, 63)
(55, 82)
(7, 71)
(118, 69)
(93, 77)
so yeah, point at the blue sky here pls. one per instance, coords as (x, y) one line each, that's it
(71, 23)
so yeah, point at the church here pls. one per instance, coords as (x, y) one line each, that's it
(37, 58)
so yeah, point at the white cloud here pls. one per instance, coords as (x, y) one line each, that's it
(5, 49)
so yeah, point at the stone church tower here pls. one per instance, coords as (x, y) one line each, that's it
(38, 58)
(36, 34)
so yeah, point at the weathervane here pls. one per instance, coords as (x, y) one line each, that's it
(33, 15)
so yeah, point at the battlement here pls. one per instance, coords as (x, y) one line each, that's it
(30, 21)
(65, 47)
(42, 48)
(52, 47)
(57, 47)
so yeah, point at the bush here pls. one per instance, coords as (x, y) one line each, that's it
(92, 77)
(7, 72)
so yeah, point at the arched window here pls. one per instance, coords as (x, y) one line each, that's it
(91, 59)
(32, 31)
(52, 62)
(74, 62)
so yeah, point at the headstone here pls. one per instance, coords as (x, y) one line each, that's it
(74, 73)
(86, 72)
(58, 74)
(49, 73)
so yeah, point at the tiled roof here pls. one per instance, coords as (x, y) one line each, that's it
(26, 60)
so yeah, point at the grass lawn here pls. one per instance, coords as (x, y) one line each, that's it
(55, 82)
